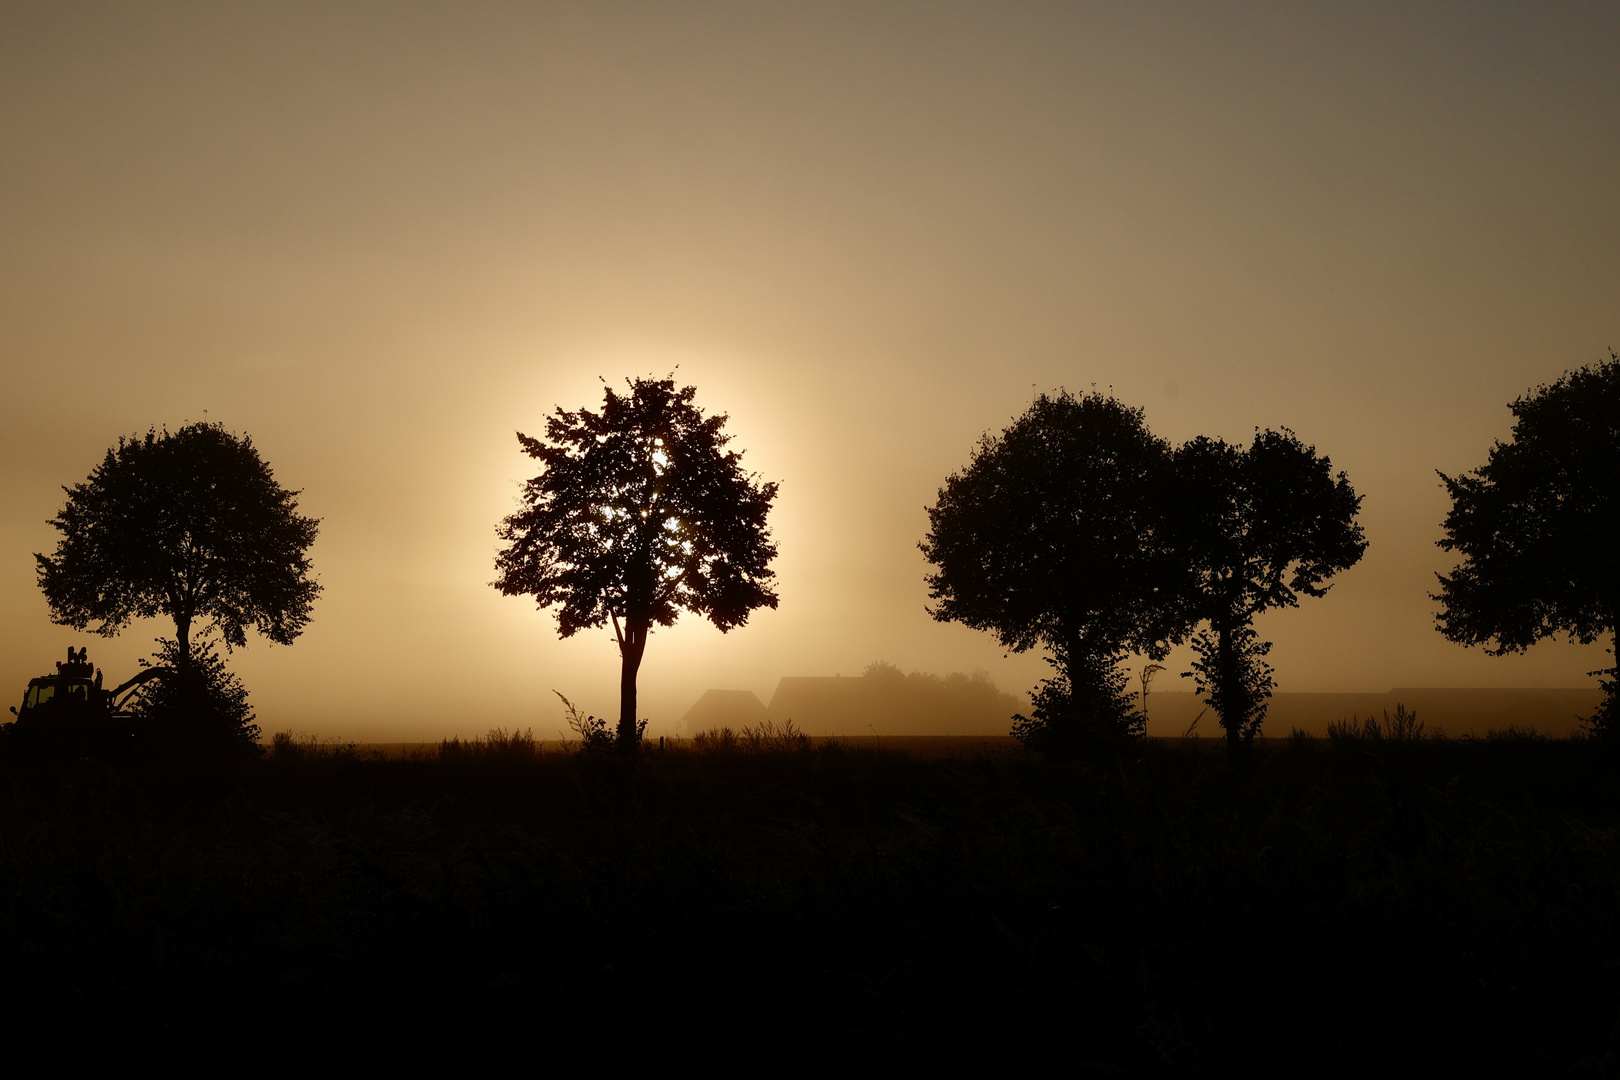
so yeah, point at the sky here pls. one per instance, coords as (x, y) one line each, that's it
(382, 238)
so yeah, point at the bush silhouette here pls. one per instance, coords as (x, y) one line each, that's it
(202, 706)
(592, 731)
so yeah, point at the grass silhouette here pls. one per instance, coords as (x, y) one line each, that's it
(1402, 726)
(766, 737)
(1321, 907)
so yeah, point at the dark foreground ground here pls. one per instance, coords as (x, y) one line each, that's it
(1324, 908)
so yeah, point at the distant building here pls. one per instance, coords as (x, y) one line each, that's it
(883, 701)
(734, 709)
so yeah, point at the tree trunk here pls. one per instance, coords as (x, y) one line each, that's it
(184, 695)
(182, 637)
(1233, 712)
(634, 644)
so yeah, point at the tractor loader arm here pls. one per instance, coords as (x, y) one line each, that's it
(141, 679)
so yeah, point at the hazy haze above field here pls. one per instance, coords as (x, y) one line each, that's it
(380, 238)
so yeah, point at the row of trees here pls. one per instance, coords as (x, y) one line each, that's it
(1075, 530)
(1079, 531)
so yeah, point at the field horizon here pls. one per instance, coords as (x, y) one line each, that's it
(889, 706)
(1455, 712)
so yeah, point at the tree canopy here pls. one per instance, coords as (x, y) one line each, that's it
(1256, 527)
(1536, 526)
(191, 525)
(639, 514)
(1053, 536)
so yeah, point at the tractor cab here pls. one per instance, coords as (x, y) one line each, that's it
(71, 710)
(73, 693)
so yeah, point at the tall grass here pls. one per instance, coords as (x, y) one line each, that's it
(499, 745)
(1401, 727)
(289, 746)
(766, 737)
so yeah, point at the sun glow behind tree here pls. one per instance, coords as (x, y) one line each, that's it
(640, 514)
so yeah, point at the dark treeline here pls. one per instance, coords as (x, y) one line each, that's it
(1325, 907)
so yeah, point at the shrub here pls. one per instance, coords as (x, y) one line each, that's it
(201, 706)
(593, 731)
(1067, 720)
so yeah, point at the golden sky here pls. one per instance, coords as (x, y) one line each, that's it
(380, 238)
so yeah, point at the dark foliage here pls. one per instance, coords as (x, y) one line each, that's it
(1083, 707)
(1257, 527)
(1052, 537)
(640, 513)
(1537, 527)
(1329, 909)
(191, 525)
(592, 732)
(200, 706)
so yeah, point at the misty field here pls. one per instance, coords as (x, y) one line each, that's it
(1324, 904)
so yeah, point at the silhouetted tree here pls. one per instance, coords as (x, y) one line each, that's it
(191, 525)
(1538, 527)
(1053, 536)
(640, 513)
(1256, 527)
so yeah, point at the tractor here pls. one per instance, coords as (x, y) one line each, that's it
(70, 713)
